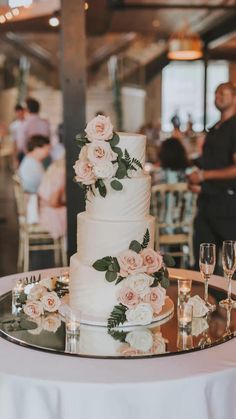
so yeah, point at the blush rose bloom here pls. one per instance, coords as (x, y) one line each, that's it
(141, 340)
(156, 297)
(99, 128)
(49, 283)
(142, 314)
(104, 170)
(130, 263)
(33, 308)
(51, 323)
(51, 301)
(152, 260)
(139, 283)
(84, 172)
(100, 151)
(128, 297)
(36, 292)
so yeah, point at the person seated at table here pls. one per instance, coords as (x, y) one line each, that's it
(14, 129)
(31, 168)
(52, 208)
(174, 163)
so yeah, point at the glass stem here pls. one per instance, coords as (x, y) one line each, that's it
(206, 290)
(229, 287)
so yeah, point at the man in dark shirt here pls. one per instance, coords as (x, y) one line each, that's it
(216, 216)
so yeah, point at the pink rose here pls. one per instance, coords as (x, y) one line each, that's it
(130, 263)
(33, 309)
(51, 323)
(36, 292)
(100, 151)
(126, 350)
(99, 128)
(128, 297)
(156, 298)
(152, 260)
(51, 301)
(84, 172)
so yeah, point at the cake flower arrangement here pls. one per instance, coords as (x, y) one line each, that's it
(144, 278)
(142, 341)
(41, 305)
(101, 161)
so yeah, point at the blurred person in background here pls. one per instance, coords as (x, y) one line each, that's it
(33, 124)
(173, 161)
(14, 130)
(31, 169)
(216, 216)
(52, 202)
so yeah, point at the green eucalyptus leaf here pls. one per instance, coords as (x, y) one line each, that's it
(115, 184)
(111, 276)
(135, 246)
(102, 188)
(165, 282)
(115, 140)
(121, 171)
(118, 151)
(116, 265)
(101, 265)
(169, 261)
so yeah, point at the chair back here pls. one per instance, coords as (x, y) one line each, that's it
(174, 207)
(20, 197)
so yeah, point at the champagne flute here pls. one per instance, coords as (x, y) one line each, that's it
(207, 261)
(229, 266)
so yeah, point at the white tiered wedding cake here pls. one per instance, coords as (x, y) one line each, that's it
(115, 267)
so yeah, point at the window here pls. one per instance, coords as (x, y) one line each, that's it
(183, 92)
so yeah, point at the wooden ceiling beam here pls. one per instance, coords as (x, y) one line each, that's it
(121, 6)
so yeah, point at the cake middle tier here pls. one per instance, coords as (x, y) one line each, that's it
(99, 238)
(131, 203)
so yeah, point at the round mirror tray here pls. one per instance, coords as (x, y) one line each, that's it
(162, 338)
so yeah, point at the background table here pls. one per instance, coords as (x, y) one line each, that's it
(39, 385)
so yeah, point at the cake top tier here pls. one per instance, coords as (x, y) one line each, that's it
(107, 157)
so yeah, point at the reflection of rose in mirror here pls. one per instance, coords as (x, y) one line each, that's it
(142, 341)
(49, 323)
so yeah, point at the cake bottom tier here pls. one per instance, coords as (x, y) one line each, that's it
(90, 292)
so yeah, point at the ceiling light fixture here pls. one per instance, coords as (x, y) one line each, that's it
(184, 45)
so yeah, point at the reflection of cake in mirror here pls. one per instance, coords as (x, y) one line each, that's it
(116, 277)
(137, 341)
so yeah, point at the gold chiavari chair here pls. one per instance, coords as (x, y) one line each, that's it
(32, 237)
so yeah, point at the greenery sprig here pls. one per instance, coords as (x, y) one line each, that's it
(118, 334)
(117, 316)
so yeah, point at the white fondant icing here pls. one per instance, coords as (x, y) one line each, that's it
(135, 144)
(129, 204)
(89, 290)
(97, 238)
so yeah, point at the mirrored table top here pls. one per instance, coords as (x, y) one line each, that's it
(158, 339)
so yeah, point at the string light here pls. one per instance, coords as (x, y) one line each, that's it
(2, 19)
(54, 21)
(15, 12)
(86, 5)
(9, 15)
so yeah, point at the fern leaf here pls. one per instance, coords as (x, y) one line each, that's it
(117, 316)
(146, 239)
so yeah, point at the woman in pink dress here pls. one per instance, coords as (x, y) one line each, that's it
(52, 208)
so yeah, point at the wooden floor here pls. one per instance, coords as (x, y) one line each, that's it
(9, 231)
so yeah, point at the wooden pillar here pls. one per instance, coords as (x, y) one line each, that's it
(205, 90)
(73, 75)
